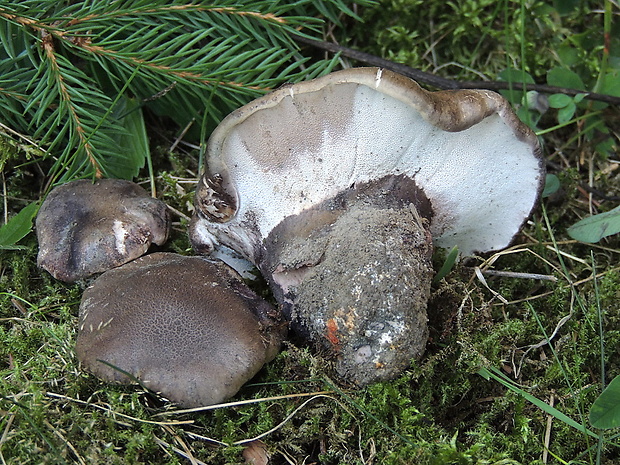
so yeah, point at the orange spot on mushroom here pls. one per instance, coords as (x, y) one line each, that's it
(332, 333)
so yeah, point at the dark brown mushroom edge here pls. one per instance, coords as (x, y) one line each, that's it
(85, 228)
(338, 189)
(185, 327)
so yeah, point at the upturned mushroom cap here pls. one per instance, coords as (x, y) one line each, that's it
(86, 228)
(185, 327)
(283, 153)
(336, 189)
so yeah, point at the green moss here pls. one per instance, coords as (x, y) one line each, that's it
(440, 411)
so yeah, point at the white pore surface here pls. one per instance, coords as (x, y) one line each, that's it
(482, 182)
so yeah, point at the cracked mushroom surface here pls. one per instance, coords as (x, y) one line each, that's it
(338, 188)
(85, 228)
(185, 327)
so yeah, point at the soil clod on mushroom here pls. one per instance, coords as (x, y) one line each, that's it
(357, 269)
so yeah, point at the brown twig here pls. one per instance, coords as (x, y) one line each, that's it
(444, 83)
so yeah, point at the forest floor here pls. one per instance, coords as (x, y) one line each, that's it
(514, 361)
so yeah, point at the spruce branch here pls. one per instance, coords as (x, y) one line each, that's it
(60, 81)
(67, 65)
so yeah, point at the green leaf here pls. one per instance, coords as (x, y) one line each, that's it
(448, 264)
(566, 113)
(568, 54)
(564, 77)
(594, 228)
(605, 411)
(611, 83)
(516, 75)
(132, 143)
(18, 227)
(579, 97)
(552, 185)
(559, 100)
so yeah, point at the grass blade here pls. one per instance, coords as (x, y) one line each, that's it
(18, 227)
(495, 374)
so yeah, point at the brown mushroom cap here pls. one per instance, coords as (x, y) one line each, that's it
(185, 327)
(86, 228)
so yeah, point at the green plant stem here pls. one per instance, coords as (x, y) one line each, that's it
(600, 320)
(607, 16)
(542, 132)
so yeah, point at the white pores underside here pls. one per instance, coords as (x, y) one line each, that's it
(297, 148)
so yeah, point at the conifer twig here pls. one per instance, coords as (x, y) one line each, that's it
(72, 72)
(444, 83)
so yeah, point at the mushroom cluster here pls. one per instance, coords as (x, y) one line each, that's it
(337, 188)
(186, 327)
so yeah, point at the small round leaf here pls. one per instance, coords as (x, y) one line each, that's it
(605, 411)
(593, 228)
(552, 185)
(559, 100)
(564, 77)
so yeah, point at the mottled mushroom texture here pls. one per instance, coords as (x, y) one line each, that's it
(353, 274)
(86, 228)
(336, 189)
(185, 327)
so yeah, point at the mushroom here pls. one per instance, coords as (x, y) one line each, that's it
(86, 228)
(186, 327)
(336, 189)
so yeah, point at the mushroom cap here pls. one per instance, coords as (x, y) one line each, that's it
(86, 228)
(337, 189)
(186, 327)
(479, 166)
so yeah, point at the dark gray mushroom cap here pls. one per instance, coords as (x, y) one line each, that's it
(86, 228)
(185, 327)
